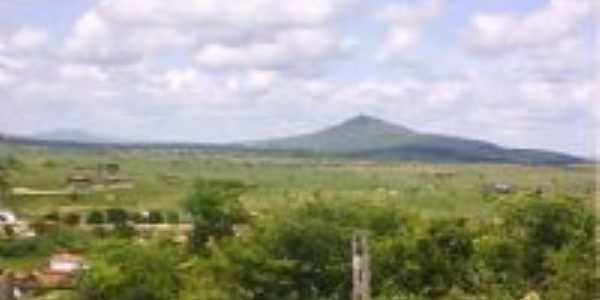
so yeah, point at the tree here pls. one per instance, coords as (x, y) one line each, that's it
(117, 216)
(95, 217)
(125, 271)
(215, 208)
(173, 217)
(155, 217)
(545, 226)
(72, 219)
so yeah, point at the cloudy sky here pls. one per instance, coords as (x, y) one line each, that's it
(519, 73)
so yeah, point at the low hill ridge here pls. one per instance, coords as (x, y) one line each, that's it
(365, 137)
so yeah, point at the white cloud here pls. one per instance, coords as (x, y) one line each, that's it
(125, 31)
(503, 31)
(559, 94)
(406, 24)
(447, 92)
(287, 48)
(82, 72)
(28, 39)
(249, 14)
(96, 40)
(260, 80)
(11, 63)
(411, 16)
(569, 56)
(6, 79)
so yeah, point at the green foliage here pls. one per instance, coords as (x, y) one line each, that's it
(11, 162)
(304, 254)
(72, 219)
(215, 209)
(24, 247)
(95, 217)
(53, 216)
(137, 217)
(155, 217)
(172, 217)
(544, 226)
(430, 238)
(5, 182)
(125, 271)
(35, 248)
(116, 216)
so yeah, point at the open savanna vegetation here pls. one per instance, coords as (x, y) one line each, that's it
(281, 228)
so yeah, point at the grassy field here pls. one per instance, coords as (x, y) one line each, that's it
(162, 181)
(422, 216)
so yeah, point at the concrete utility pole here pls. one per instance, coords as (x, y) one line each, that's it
(361, 269)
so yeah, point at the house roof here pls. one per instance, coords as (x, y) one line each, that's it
(79, 178)
(66, 257)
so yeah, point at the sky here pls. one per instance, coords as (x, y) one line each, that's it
(519, 73)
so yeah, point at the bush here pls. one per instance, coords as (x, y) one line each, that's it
(173, 217)
(12, 162)
(215, 209)
(116, 216)
(72, 219)
(95, 217)
(155, 217)
(53, 216)
(126, 271)
(24, 248)
(124, 231)
(136, 217)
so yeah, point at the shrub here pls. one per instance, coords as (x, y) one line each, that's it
(24, 247)
(155, 217)
(136, 217)
(173, 217)
(96, 217)
(72, 219)
(116, 216)
(53, 216)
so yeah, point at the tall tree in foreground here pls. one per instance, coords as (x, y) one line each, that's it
(121, 270)
(215, 208)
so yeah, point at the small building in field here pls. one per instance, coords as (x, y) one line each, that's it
(503, 188)
(62, 272)
(65, 263)
(7, 218)
(79, 180)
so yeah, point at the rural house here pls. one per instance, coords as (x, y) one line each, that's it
(7, 218)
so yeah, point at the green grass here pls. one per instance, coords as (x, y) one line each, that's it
(280, 183)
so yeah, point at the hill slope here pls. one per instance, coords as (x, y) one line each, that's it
(72, 135)
(357, 134)
(365, 137)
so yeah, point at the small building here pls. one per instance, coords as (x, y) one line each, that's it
(63, 271)
(7, 218)
(65, 263)
(503, 188)
(80, 183)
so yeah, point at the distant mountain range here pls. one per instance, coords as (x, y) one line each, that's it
(362, 137)
(72, 135)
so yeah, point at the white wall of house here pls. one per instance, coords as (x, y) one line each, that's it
(65, 266)
(7, 217)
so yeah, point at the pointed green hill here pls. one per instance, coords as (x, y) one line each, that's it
(365, 137)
